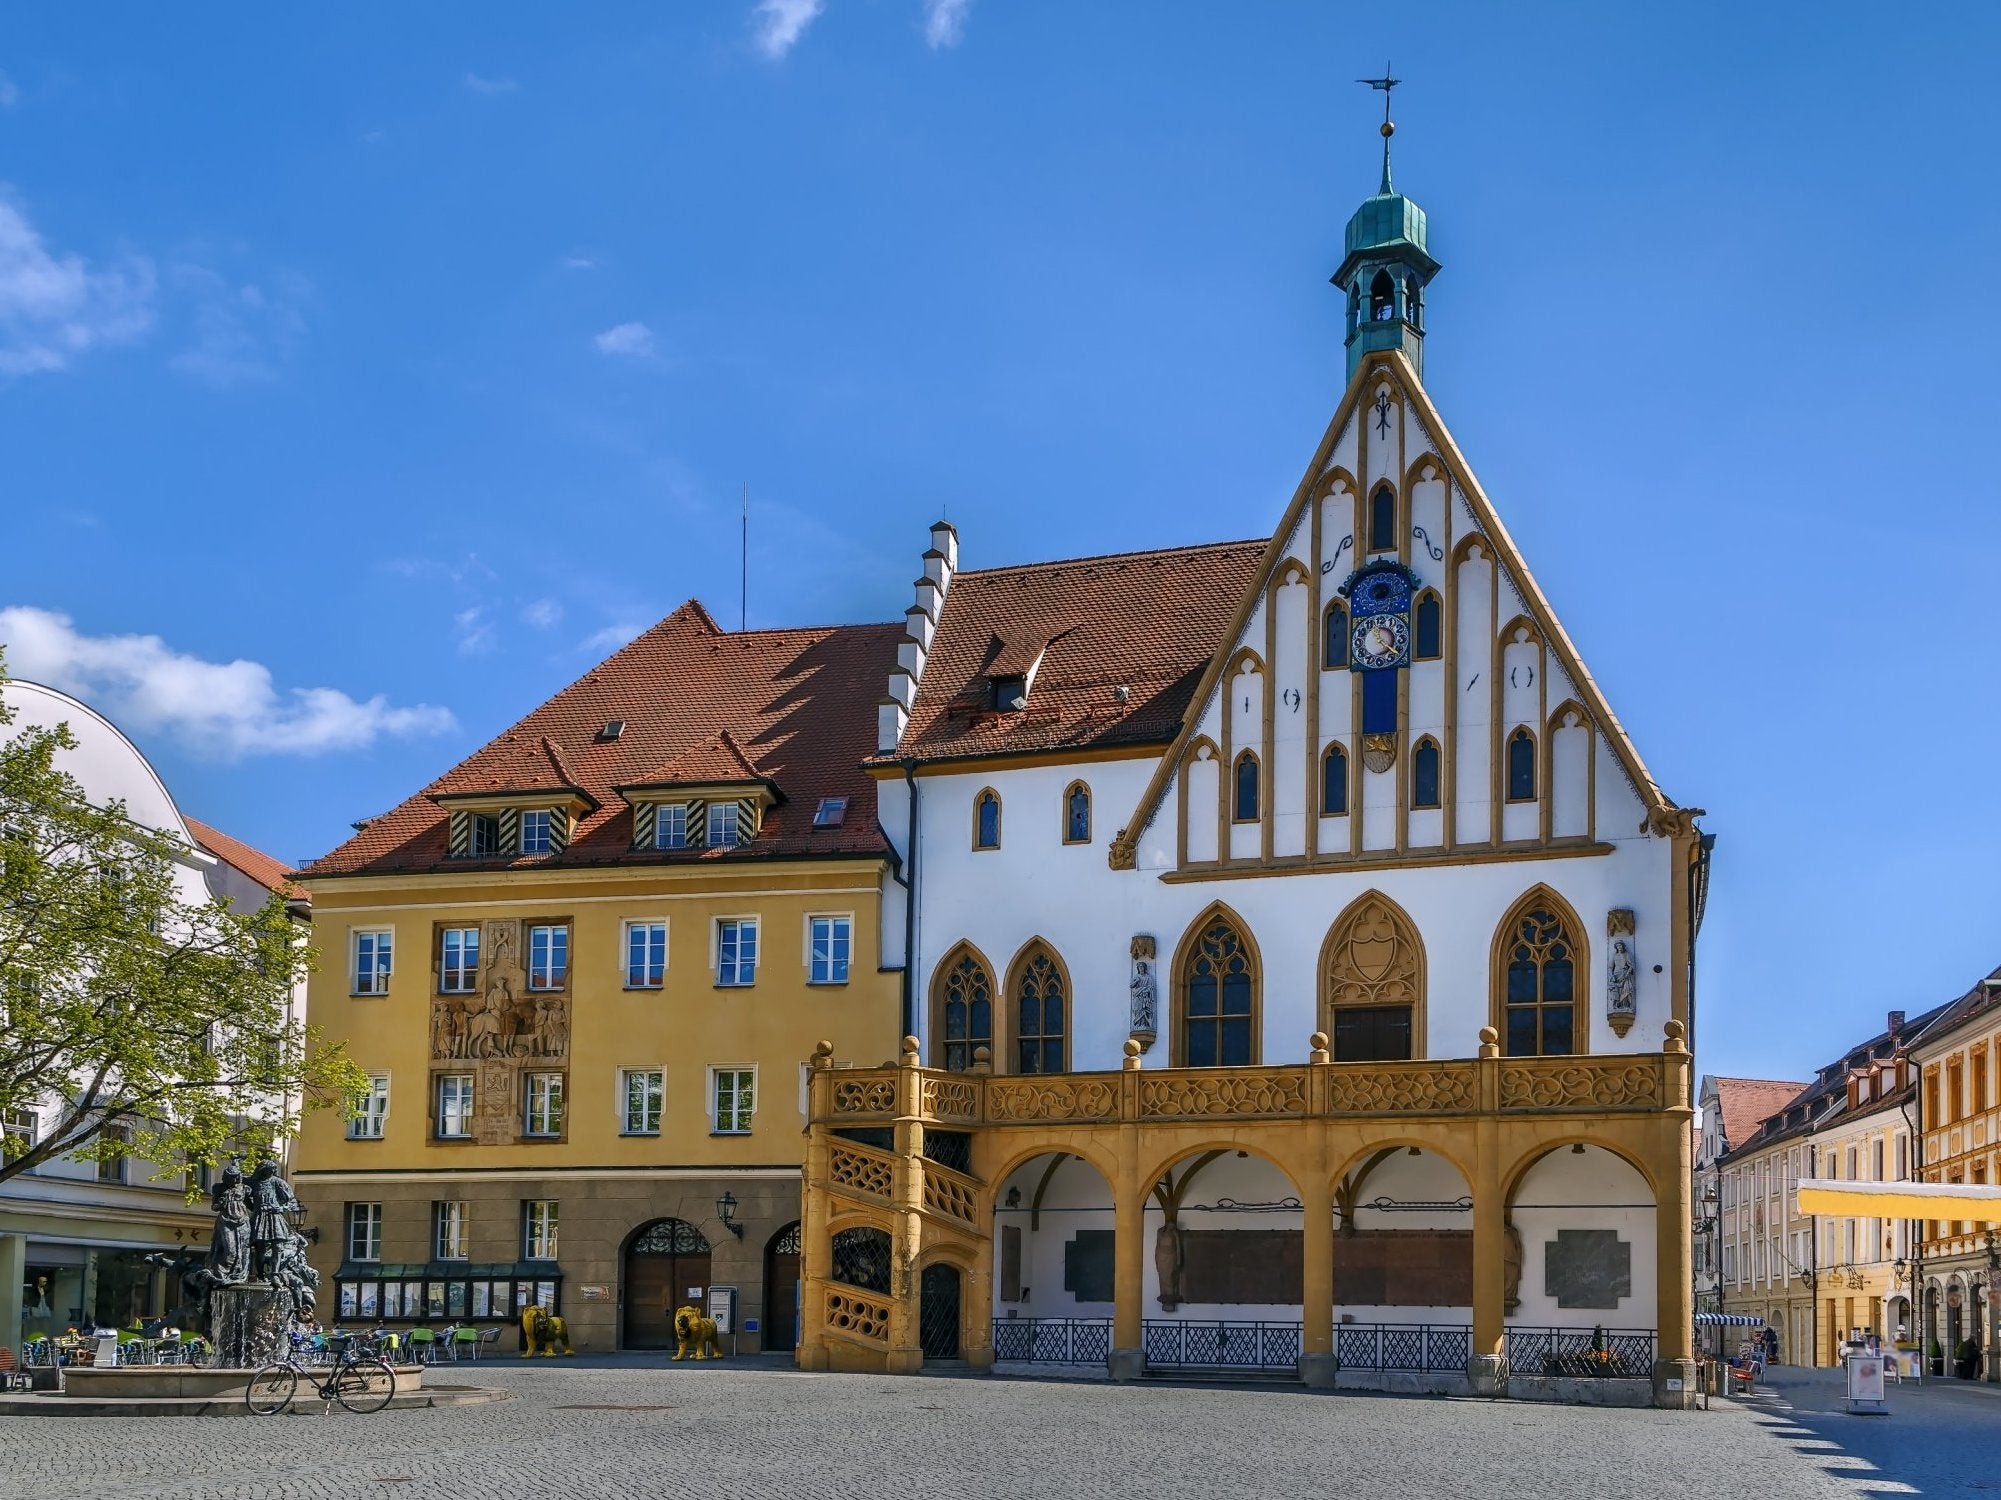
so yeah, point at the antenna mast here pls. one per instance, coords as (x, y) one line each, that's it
(743, 576)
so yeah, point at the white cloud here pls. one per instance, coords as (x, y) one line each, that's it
(579, 263)
(474, 631)
(611, 637)
(945, 22)
(220, 710)
(9, 95)
(780, 23)
(481, 85)
(238, 333)
(634, 340)
(543, 614)
(55, 307)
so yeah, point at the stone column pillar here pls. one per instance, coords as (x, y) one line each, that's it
(1674, 1370)
(13, 1272)
(1317, 1364)
(906, 1349)
(1487, 1364)
(1127, 1360)
(816, 1246)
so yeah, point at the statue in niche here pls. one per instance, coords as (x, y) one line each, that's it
(1145, 991)
(1622, 970)
(1167, 1262)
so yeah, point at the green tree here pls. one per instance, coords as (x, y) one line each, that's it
(136, 1021)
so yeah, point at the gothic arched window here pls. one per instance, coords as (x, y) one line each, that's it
(1382, 298)
(1218, 984)
(1334, 637)
(963, 1011)
(1413, 302)
(1244, 789)
(1540, 1010)
(1521, 766)
(1383, 520)
(1077, 814)
(1424, 774)
(986, 820)
(1334, 781)
(1040, 1028)
(1428, 627)
(1372, 983)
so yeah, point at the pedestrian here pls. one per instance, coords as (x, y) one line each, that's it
(1771, 1345)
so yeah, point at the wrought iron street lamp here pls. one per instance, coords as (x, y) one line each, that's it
(726, 1211)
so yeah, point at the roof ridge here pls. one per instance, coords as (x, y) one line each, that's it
(1103, 557)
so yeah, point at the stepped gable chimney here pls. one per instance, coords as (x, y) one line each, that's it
(941, 563)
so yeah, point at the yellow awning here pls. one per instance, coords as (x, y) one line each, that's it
(1902, 1200)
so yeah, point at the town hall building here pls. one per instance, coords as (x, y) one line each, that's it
(1299, 962)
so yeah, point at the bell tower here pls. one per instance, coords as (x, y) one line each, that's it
(1386, 267)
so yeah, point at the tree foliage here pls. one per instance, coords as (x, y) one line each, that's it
(139, 1016)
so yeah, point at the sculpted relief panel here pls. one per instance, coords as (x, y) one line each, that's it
(498, 1030)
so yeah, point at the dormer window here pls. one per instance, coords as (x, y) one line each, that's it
(535, 832)
(483, 832)
(1007, 695)
(725, 825)
(670, 826)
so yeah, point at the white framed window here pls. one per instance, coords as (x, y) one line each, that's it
(448, 1230)
(644, 1091)
(371, 1110)
(670, 826)
(548, 956)
(458, 960)
(725, 827)
(732, 1100)
(485, 831)
(538, 1229)
(364, 1231)
(736, 951)
(18, 1128)
(545, 1104)
(535, 832)
(830, 940)
(373, 949)
(645, 955)
(454, 1106)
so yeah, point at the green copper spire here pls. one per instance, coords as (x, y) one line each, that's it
(1386, 266)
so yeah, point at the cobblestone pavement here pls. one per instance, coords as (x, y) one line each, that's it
(611, 1428)
(1941, 1438)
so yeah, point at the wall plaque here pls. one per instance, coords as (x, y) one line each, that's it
(1587, 1268)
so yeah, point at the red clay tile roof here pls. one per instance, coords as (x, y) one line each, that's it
(1746, 1102)
(1144, 621)
(800, 703)
(272, 874)
(518, 763)
(718, 761)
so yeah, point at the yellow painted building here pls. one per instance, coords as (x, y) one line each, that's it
(1961, 1103)
(584, 970)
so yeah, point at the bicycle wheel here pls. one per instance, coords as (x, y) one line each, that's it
(364, 1386)
(271, 1389)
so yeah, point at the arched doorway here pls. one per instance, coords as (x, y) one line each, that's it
(781, 1291)
(666, 1266)
(938, 1312)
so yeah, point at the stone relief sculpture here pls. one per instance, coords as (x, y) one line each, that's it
(1145, 991)
(503, 1019)
(1622, 970)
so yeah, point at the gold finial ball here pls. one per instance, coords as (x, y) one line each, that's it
(1133, 1048)
(1388, 130)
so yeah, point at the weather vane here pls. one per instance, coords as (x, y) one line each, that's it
(1385, 83)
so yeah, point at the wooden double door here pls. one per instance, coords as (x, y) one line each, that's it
(666, 1267)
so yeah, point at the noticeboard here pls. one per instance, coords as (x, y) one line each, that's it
(1865, 1383)
(722, 1307)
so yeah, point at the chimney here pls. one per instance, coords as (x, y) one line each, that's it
(1896, 1022)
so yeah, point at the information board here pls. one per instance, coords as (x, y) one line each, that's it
(1865, 1383)
(722, 1307)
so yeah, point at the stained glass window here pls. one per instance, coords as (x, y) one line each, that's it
(1541, 989)
(966, 1013)
(1039, 1016)
(1217, 996)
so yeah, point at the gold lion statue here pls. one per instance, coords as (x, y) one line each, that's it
(690, 1327)
(542, 1329)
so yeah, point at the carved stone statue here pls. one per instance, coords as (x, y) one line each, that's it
(229, 1241)
(1167, 1260)
(1145, 990)
(1620, 978)
(272, 1205)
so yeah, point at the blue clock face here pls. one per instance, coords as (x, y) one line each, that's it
(1380, 641)
(1382, 593)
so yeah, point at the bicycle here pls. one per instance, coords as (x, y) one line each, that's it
(361, 1382)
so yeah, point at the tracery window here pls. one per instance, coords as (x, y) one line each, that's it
(965, 1012)
(1424, 774)
(987, 820)
(1540, 989)
(1334, 781)
(1244, 789)
(1428, 627)
(1077, 814)
(1521, 766)
(1373, 983)
(1039, 1014)
(1219, 999)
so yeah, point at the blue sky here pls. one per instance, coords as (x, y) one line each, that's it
(366, 372)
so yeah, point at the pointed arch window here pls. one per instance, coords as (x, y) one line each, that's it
(1218, 999)
(1041, 1014)
(964, 1012)
(1521, 766)
(1424, 774)
(1334, 637)
(1382, 298)
(1427, 627)
(1383, 519)
(1077, 814)
(1541, 1014)
(1245, 785)
(1372, 983)
(1334, 782)
(987, 820)
(1413, 302)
